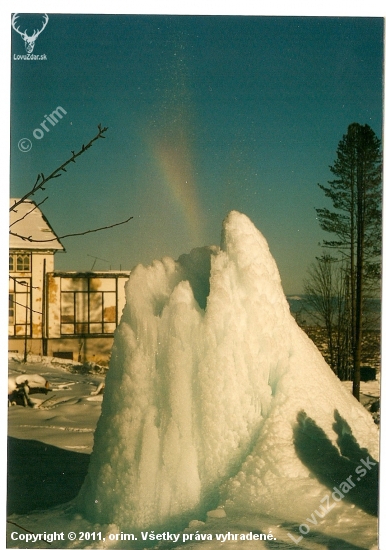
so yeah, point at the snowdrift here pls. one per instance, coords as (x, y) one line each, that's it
(216, 398)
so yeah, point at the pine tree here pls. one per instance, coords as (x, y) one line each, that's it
(356, 220)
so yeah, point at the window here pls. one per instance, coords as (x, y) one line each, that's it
(19, 306)
(88, 305)
(11, 308)
(20, 262)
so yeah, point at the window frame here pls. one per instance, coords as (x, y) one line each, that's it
(83, 322)
(17, 258)
(11, 307)
(22, 307)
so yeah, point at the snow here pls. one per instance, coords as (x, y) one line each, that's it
(34, 381)
(29, 221)
(219, 416)
(70, 393)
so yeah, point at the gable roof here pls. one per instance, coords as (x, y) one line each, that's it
(29, 221)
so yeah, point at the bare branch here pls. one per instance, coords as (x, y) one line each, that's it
(21, 527)
(22, 283)
(27, 307)
(31, 240)
(56, 173)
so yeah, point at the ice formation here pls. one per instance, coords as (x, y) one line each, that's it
(215, 397)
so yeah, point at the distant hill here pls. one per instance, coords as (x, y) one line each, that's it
(301, 310)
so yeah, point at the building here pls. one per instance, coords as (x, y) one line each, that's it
(65, 314)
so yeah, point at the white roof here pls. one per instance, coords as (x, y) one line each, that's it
(27, 220)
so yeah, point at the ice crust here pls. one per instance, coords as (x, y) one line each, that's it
(215, 395)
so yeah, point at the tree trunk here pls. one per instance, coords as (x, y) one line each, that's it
(361, 207)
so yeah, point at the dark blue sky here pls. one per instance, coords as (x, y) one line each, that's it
(205, 114)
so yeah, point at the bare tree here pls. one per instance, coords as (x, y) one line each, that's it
(327, 299)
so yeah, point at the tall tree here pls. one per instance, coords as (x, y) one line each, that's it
(356, 220)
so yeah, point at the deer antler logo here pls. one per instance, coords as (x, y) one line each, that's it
(29, 41)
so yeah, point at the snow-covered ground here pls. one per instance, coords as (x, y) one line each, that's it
(48, 459)
(66, 417)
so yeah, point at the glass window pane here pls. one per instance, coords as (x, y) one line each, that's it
(109, 307)
(95, 283)
(22, 311)
(11, 263)
(11, 309)
(74, 283)
(108, 284)
(109, 328)
(67, 307)
(95, 306)
(81, 306)
(67, 329)
(81, 328)
(95, 328)
(19, 263)
(23, 262)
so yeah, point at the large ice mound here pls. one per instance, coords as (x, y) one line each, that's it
(215, 396)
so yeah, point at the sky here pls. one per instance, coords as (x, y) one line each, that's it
(205, 114)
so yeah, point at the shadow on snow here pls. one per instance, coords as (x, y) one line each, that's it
(333, 466)
(41, 476)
